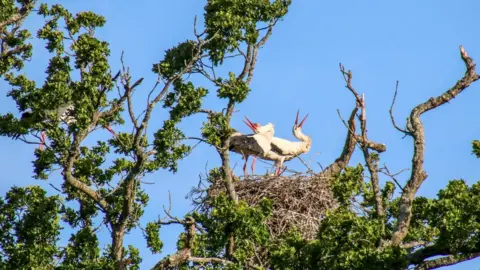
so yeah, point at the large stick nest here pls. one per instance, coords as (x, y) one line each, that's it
(299, 201)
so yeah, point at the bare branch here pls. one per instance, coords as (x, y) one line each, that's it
(248, 62)
(208, 260)
(305, 164)
(195, 29)
(342, 161)
(391, 112)
(413, 244)
(252, 66)
(185, 255)
(198, 139)
(372, 166)
(268, 34)
(128, 90)
(387, 172)
(209, 112)
(54, 187)
(379, 147)
(366, 144)
(418, 175)
(347, 76)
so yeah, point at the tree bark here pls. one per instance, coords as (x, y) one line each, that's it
(117, 247)
(416, 130)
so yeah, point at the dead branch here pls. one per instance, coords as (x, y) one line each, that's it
(185, 255)
(392, 176)
(392, 118)
(416, 131)
(305, 164)
(365, 144)
(342, 161)
(379, 147)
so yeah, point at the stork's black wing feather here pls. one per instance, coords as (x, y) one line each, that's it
(245, 143)
(276, 149)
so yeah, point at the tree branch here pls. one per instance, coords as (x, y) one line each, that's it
(415, 125)
(68, 168)
(387, 172)
(366, 144)
(20, 15)
(379, 147)
(413, 244)
(208, 260)
(420, 255)
(342, 161)
(445, 261)
(185, 255)
(13, 51)
(268, 34)
(392, 118)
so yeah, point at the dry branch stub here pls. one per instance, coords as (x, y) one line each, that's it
(299, 201)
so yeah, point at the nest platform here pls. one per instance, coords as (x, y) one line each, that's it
(299, 201)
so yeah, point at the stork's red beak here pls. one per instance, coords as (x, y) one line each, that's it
(250, 124)
(303, 120)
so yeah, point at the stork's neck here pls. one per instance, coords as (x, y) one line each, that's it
(305, 141)
(302, 137)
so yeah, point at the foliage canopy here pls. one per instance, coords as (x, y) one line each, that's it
(374, 227)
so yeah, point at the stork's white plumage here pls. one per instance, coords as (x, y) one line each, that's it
(283, 150)
(257, 144)
(64, 113)
(286, 147)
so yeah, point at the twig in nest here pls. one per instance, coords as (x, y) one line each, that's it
(298, 201)
(306, 165)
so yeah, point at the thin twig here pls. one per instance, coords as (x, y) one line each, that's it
(391, 111)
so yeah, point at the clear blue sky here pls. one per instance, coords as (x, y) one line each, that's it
(415, 42)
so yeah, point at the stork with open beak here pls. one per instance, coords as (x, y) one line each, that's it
(257, 144)
(64, 113)
(283, 150)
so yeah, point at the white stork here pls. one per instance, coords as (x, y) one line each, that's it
(257, 144)
(64, 113)
(283, 150)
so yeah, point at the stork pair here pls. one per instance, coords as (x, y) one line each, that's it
(262, 144)
(64, 113)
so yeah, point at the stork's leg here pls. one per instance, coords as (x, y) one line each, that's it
(279, 165)
(42, 140)
(245, 166)
(253, 164)
(277, 171)
(110, 130)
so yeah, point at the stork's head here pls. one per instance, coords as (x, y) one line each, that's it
(253, 126)
(268, 128)
(257, 128)
(297, 127)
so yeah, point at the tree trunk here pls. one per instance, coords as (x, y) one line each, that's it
(117, 247)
